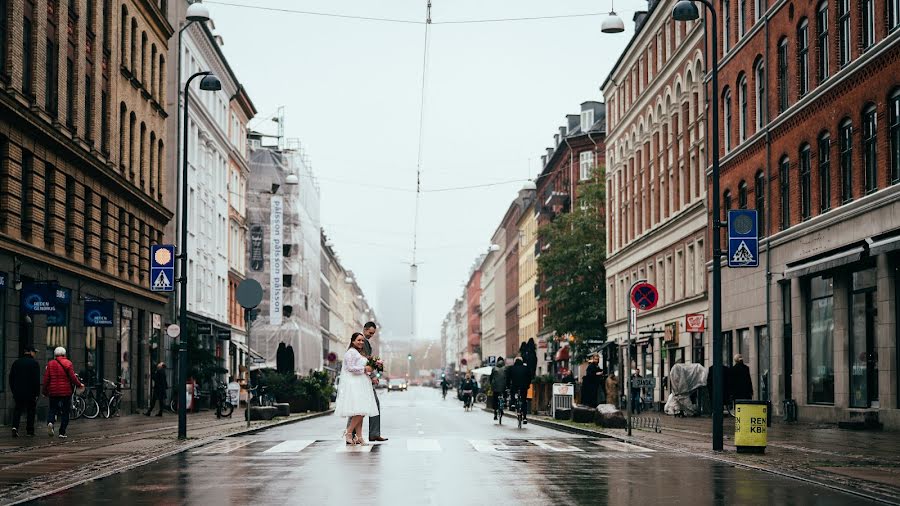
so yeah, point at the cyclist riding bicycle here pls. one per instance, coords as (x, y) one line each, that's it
(498, 383)
(518, 379)
(469, 387)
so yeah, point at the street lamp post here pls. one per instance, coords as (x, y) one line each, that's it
(209, 83)
(686, 10)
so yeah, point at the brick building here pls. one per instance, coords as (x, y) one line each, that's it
(82, 172)
(578, 149)
(810, 99)
(473, 352)
(656, 219)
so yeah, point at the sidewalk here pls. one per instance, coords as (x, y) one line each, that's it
(864, 462)
(34, 466)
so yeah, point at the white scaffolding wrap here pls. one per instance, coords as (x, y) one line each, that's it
(286, 258)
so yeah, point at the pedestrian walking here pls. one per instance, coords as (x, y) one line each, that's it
(636, 400)
(160, 387)
(612, 390)
(59, 384)
(498, 383)
(741, 383)
(590, 384)
(25, 383)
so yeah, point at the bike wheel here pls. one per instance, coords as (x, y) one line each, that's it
(112, 408)
(481, 398)
(91, 408)
(224, 409)
(78, 406)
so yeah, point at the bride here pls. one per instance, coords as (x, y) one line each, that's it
(356, 399)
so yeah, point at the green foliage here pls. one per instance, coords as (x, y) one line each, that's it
(573, 266)
(204, 365)
(313, 391)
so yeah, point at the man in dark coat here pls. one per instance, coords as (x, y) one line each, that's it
(741, 383)
(590, 385)
(530, 358)
(25, 383)
(518, 380)
(160, 387)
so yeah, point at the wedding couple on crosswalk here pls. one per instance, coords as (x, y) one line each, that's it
(356, 397)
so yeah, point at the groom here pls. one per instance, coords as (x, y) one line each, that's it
(374, 421)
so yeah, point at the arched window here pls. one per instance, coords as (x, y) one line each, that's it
(144, 57)
(845, 138)
(742, 108)
(742, 195)
(151, 166)
(123, 114)
(726, 204)
(760, 75)
(759, 194)
(152, 83)
(870, 159)
(822, 40)
(134, 47)
(160, 160)
(726, 25)
(805, 183)
(803, 57)
(132, 159)
(784, 169)
(824, 156)
(894, 108)
(726, 108)
(843, 32)
(142, 160)
(782, 74)
(123, 34)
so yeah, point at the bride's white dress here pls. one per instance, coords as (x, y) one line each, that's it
(355, 395)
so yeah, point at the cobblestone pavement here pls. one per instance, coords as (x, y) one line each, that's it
(33, 466)
(865, 462)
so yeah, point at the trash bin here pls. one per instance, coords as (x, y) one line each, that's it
(750, 421)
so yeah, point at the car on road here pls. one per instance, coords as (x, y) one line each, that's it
(382, 383)
(397, 384)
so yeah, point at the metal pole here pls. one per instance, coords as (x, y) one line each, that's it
(626, 379)
(182, 305)
(249, 362)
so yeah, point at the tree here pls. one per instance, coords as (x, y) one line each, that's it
(572, 267)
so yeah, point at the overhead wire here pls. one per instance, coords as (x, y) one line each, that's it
(421, 131)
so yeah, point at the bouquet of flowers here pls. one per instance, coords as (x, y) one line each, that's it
(376, 364)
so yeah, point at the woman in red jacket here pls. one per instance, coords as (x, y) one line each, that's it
(59, 383)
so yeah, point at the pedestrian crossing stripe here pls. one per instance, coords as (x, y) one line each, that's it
(554, 446)
(290, 446)
(345, 448)
(619, 446)
(224, 447)
(742, 255)
(162, 281)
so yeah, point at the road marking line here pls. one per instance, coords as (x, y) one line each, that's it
(484, 445)
(423, 445)
(554, 446)
(223, 447)
(345, 448)
(291, 446)
(618, 446)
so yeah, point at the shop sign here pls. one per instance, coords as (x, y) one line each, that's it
(99, 312)
(39, 298)
(671, 334)
(60, 317)
(694, 322)
(276, 236)
(256, 248)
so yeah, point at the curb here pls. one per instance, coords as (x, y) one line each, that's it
(150, 460)
(632, 440)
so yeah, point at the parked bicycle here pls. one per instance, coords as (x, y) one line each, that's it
(261, 398)
(223, 406)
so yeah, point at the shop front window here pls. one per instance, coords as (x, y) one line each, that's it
(93, 355)
(762, 360)
(820, 341)
(727, 348)
(698, 354)
(124, 345)
(863, 356)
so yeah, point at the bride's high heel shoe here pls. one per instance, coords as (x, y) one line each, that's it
(348, 438)
(358, 440)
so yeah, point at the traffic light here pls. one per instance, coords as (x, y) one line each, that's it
(443, 375)
(409, 357)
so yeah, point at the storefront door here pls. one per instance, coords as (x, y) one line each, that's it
(863, 357)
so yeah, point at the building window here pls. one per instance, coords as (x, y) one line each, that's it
(824, 172)
(893, 14)
(49, 201)
(27, 51)
(726, 204)
(760, 73)
(726, 25)
(742, 8)
(726, 107)
(104, 122)
(133, 60)
(742, 104)
(587, 120)
(803, 57)
(123, 32)
(763, 353)
(846, 146)
(759, 8)
(88, 108)
(4, 33)
(784, 168)
(759, 193)
(69, 232)
(820, 342)
(70, 93)
(805, 183)
(104, 228)
(742, 195)
(843, 32)
(106, 21)
(586, 165)
(782, 75)
(822, 39)
(868, 24)
(27, 192)
(51, 74)
(894, 105)
(870, 161)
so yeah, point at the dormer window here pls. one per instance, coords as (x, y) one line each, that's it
(587, 120)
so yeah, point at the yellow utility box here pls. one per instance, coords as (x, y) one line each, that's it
(750, 420)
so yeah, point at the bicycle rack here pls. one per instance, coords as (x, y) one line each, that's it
(647, 422)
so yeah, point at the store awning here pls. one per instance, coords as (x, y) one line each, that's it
(885, 245)
(825, 263)
(562, 354)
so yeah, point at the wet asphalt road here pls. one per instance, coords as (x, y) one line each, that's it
(439, 454)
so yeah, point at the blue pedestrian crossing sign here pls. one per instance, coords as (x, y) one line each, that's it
(743, 238)
(162, 268)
